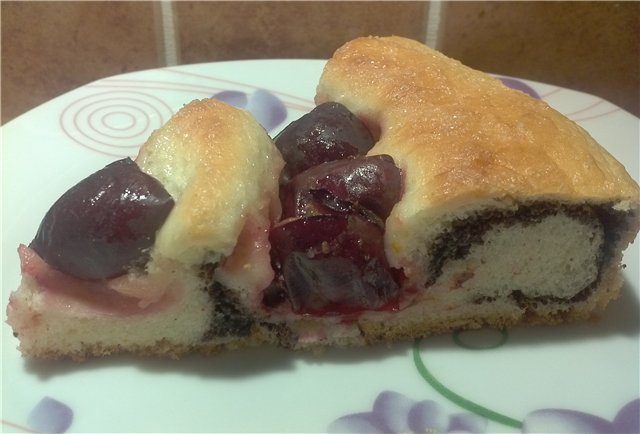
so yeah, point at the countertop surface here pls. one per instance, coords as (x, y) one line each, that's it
(49, 48)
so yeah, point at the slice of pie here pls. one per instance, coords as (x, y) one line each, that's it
(156, 256)
(418, 197)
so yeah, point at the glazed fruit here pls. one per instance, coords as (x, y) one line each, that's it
(329, 132)
(332, 264)
(105, 224)
(328, 251)
(369, 186)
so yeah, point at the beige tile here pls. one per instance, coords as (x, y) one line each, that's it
(212, 31)
(588, 46)
(49, 48)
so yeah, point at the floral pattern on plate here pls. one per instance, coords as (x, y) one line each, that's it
(50, 416)
(394, 412)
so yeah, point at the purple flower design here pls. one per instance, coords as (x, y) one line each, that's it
(516, 84)
(627, 421)
(267, 108)
(50, 416)
(395, 413)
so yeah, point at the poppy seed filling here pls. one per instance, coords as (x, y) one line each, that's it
(457, 241)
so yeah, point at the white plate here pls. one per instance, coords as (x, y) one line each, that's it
(488, 381)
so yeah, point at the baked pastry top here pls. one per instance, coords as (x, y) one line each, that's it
(465, 141)
(469, 137)
(220, 167)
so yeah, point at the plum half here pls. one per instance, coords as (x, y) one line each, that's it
(105, 225)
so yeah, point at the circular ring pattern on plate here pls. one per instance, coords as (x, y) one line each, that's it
(114, 122)
(117, 121)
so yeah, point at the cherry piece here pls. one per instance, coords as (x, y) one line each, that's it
(362, 185)
(332, 264)
(105, 224)
(328, 132)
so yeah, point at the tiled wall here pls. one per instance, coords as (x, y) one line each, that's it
(49, 48)
(589, 46)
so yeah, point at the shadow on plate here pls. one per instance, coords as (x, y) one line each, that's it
(241, 363)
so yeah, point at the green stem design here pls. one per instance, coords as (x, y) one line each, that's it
(457, 399)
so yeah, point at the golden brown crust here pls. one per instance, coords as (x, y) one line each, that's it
(221, 167)
(461, 135)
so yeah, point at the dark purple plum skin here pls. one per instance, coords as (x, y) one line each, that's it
(332, 264)
(362, 185)
(328, 251)
(328, 132)
(104, 225)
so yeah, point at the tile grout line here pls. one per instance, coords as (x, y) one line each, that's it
(434, 18)
(169, 35)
